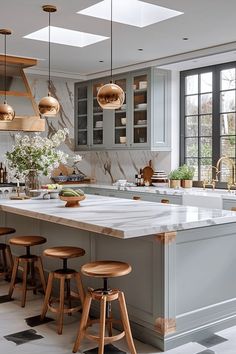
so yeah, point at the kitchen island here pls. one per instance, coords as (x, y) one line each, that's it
(182, 286)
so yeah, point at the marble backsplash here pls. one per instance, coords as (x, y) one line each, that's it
(103, 166)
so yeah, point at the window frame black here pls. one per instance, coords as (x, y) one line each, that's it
(215, 69)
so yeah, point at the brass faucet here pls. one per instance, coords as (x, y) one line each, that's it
(231, 180)
(212, 181)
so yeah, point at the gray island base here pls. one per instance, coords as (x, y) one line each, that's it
(182, 287)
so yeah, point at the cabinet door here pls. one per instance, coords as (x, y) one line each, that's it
(97, 129)
(141, 110)
(160, 115)
(81, 116)
(121, 119)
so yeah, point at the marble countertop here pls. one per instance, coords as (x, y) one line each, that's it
(118, 217)
(223, 193)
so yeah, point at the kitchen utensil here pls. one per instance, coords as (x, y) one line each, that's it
(148, 172)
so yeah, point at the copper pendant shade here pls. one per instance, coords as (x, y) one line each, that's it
(7, 113)
(110, 96)
(48, 105)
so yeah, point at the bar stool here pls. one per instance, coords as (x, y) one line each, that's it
(105, 270)
(30, 263)
(7, 260)
(64, 275)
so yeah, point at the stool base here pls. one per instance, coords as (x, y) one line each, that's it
(29, 264)
(64, 276)
(105, 320)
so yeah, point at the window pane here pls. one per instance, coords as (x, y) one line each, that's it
(206, 82)
(228, 146)
(193, 163)
(191, 105)
(227, 79)
(206, 103)
(191, 147)
(206, 125)
(191, 84)
(191, 126)
(226, 171)
(205, 147)
(227, 101)
(205, 169)
(227, 124)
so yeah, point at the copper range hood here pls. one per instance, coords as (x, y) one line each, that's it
(19, 96)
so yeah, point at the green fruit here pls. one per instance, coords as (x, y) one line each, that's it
(79, 191)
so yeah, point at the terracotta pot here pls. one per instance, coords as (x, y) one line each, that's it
(174, 183)
(186, 183)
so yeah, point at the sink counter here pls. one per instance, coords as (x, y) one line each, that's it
(118, 217)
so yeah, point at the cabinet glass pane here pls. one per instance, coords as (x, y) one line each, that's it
(120, 115)
(97, 136)
(82, 138)
(97, 117)
(140, 135)
(140, 109)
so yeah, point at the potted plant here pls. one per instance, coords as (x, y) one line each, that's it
(174, 177)
(186, 173)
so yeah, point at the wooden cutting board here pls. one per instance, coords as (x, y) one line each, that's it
(148, 172)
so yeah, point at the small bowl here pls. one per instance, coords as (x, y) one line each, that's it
(72, 202)
(123, 121)
(122, 139)
(60, 178)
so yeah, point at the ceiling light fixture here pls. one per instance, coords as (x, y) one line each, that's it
(111, 96)
(49, 106)
(7, 113)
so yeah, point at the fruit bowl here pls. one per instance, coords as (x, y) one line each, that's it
(72, 202)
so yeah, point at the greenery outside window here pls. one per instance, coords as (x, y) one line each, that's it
(208, 119)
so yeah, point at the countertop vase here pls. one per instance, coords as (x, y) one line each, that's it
(31, 181)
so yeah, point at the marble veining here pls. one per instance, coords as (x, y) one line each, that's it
(121, 218)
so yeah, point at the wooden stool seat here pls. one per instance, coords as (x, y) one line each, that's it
(29, 263)
(27, 241)
(67, 302)
(64, 252)
(6, 231)
(106, 269)
(105, 296)
(5, 253)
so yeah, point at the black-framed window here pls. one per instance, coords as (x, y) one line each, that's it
(208, 119)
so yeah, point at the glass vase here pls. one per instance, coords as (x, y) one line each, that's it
(31, 181)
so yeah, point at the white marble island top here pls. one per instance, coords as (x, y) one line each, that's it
(117, 217)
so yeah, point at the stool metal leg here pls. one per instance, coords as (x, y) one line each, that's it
(126, 324)
(83, 322)
(102, 324)
(13, 277)
(61, 306)
(47, 296)
(24, 283)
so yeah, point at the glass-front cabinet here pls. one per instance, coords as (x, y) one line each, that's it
(81, 115)
(142, 122)
(120, 118)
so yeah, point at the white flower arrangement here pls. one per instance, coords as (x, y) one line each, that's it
(37, 153)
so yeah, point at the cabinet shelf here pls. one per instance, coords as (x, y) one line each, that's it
(120, 111)
(97, 113)
(139, 109)
(82, 99)
(82, 115)
(140, 90)
(121, 127)
(82, 130)
(98, 128)
(140, 126)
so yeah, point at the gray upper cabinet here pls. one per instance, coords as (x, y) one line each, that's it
(143, 122)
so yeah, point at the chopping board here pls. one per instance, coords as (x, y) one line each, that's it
(148, 172)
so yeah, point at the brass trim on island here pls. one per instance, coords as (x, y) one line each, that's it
(165, 326)
(166, 237)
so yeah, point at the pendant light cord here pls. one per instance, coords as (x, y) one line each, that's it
(111, 44)
(5, 67)
(49, 53)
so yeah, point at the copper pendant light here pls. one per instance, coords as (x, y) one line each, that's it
(110, 96)
(49, 106)
(6, 111)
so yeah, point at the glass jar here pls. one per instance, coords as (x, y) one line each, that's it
(31, 181)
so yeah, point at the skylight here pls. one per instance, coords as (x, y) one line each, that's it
(130, 12)
(65, 36)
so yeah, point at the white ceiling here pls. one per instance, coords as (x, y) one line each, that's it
(207, 23)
